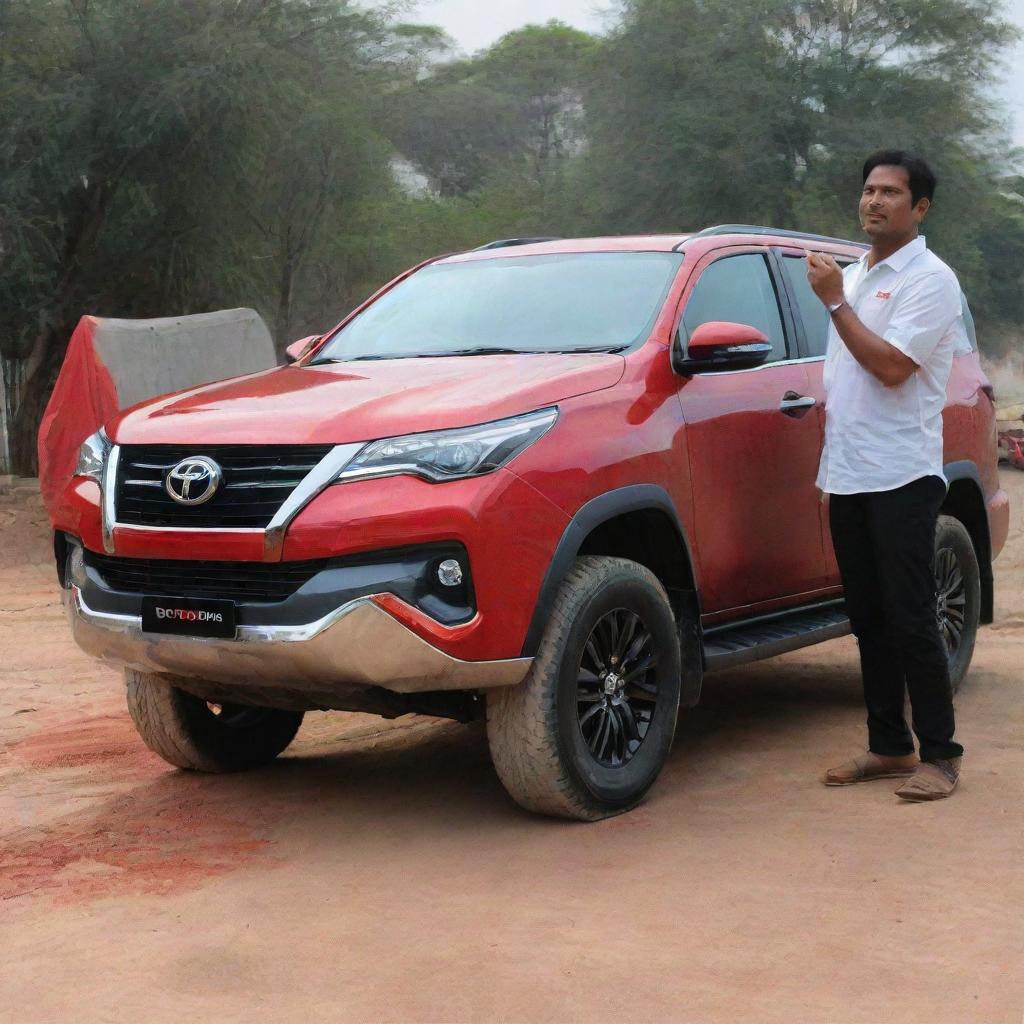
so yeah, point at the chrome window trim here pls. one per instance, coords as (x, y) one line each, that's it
(757, 369)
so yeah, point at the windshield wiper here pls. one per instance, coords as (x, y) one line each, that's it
(367, 358)
(484, 351)
(596, 348)
(481, 350)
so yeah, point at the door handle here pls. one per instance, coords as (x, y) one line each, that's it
(793, 404)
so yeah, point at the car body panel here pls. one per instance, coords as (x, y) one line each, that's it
(340, 403)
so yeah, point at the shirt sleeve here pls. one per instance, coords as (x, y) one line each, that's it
(927, 307)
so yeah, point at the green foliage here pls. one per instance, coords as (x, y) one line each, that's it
(171, 156)
(164, 157)
(709, 111)
(515, 105)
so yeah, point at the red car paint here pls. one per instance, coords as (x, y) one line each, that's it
(740, 474)
(340, 403)
(1011, 445)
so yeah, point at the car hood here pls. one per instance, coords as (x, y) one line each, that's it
(359, 401)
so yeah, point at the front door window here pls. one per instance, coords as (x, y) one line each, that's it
(739, 290)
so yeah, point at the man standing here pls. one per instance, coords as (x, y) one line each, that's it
(896, 322)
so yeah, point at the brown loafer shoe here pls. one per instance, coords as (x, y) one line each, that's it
(868, 767)
(932, 780)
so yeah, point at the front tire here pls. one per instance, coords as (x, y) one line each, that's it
(191, 733)
(958, 589)
(585, 735)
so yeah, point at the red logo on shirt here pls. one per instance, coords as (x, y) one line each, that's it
(883, 295)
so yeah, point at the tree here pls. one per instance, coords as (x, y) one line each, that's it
(516, 105)
(541, 69)
(173, 156)
(144, 143)
(684, 116)
(708, 111)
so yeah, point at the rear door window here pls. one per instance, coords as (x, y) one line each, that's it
(972, 337)
(738, 289)
(811, 309)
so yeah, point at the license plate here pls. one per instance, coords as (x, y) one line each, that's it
(187, 617)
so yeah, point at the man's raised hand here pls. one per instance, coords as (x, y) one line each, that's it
(825, 277)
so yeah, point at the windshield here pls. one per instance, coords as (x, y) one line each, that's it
(559, 303)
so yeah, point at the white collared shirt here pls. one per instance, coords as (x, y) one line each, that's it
(878, 438)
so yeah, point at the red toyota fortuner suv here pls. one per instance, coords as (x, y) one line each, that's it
(552, 483)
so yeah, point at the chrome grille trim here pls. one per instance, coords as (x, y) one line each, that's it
(316, 480)
(319, 478)
(109, 488)
(257, 480)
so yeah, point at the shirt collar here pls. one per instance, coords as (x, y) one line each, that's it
(901, 257)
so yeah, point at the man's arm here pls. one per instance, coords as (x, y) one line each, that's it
(881, 359)
(884, 361)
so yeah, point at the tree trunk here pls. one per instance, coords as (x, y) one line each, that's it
(283, 320)
(34, 395)
(51, 344)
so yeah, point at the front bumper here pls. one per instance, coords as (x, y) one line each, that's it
(507, 529)
(356, 646)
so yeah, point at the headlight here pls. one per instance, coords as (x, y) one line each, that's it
(93, 456)
(451, 454)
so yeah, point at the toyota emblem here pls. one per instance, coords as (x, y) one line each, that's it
(193, 481)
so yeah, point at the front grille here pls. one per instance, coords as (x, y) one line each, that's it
(250, 582)
(257, 479)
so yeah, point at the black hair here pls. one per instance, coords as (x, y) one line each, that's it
(922, 177)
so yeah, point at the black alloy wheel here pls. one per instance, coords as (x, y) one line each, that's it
(957, 595)
(616, 687)
(951, 603)
(586, 733)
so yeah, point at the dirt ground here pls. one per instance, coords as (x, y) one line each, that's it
(378, 872)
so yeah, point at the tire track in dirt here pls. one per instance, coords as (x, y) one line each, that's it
(120, 821)
(160, 829)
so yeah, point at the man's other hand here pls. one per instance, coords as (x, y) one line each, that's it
(826, 277)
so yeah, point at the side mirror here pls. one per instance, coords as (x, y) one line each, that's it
(297, 349)
(719, 345)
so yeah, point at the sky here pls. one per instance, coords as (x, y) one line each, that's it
(475, 25)
(1013, 92)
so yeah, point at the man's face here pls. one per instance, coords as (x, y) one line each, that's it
(886, 209)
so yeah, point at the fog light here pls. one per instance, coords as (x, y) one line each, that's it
(75, 567)
(449, 572)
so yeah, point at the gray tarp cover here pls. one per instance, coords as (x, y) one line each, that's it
(153, 357)
(113, 364)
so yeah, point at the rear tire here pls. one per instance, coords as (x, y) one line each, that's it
(189, 733)
(575, 742)
(958, 586)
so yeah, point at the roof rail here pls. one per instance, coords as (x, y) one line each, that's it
(504, 243)
(760, 229)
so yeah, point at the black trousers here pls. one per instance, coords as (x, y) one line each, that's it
(885, 547)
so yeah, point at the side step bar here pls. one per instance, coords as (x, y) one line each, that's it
(737, 643)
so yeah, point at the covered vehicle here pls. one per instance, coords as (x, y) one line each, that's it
(112, 364)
